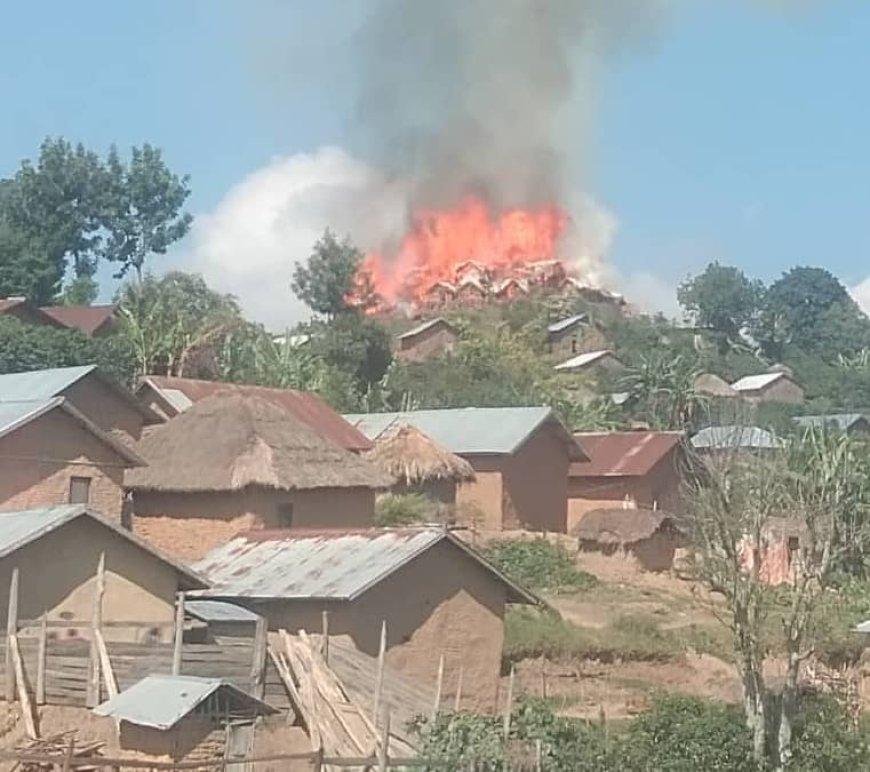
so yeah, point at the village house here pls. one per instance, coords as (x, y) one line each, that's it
(711, 385)
(856, 424)
(520, 457)
(51, 453)
(436, 595)
(93, 321)
(108, 404)
(20, 308)
(714, 440)
(426, 340)
(563, 337)
(769, 387)
(650, 538)
(57, 551)
(471, 293)
(510, 289)
(592, 361)
(635, 469)
(169, 396)
(232, 463)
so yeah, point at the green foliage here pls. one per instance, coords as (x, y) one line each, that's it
(827, 740)
(662, 387)
(395, 509)
(722, 299)
(328, 277)
(538, 564)
(354, 344)
(28, 347)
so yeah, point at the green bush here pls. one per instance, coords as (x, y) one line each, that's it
(395, 509)
(539, 565)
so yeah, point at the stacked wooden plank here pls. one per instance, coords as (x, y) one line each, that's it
(60, 746)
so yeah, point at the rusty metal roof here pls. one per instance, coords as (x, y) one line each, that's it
(324, 564)
(86, 319)
(623, 454)
(305, 406)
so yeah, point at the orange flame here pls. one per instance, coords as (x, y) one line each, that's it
(441, 240)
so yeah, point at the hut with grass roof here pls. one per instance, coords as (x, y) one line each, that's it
(233, 463)
(711, 385)
(648, 536)
(420, 465)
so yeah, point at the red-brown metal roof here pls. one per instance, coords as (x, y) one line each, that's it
(88, 319)
(623, 454)
(306, 407)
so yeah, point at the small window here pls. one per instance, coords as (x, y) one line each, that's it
(79, 490)
(573, 345)
(285, 515)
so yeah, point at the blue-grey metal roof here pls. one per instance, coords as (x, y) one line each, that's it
(19, 528)
(219, 611)
(40, 384)
(565, 324)
(736, 437)
(466, 430)
(161, 701)
(863, 627)
(322, 564)
(841, 421)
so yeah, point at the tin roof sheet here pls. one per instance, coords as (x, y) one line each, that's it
(421, 328)
(161, 701)
(623, 454)
(756, 382)
(219, 611)
(467, 430)
(841, 421)
(40, 384)
(322, 565)
(567, 323)
(86, 319)
(584, 360)
(736, 437)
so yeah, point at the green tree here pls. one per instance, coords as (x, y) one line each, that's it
(325, 281)
(144, 212)
(721, 299)
(355, 344)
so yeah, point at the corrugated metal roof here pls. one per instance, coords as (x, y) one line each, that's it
(841, 421)
(161, 701)
(86, 319)
(863, 627)
(305, 406)
(421, 328)
(466, 430)
(623, 454)
(756, 382)
(321, 565)
(565, 324)
(584, 360)
(736, 437)
(40, 384)
(21, 527)
(219, 611)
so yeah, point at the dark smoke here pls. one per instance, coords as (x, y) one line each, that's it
(474, 95)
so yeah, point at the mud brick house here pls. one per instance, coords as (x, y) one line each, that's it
(590, 362)
(429, 339)
(231, 463)
(108, 404)
(520, 457)
(57, 550)
(564, 336)
(436, 595)
(635, 469)
(769, 387)
(51, 453)
(170, 396)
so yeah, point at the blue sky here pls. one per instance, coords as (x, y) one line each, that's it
(739, 132)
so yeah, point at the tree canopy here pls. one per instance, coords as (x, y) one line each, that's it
(722, 299)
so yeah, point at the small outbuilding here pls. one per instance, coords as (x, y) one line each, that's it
(234, 463)
(650, 537)
(426, 340)
(436, 594)
(165, 718)
(769, 387)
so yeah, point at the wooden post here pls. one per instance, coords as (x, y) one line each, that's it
(539, 755)
(93, 692)
(258, 664)
(379, 683)
(11, 629)
(508, 707)
(40, 661)
(68, 756)
(106, 665)
(439, 686)
(384, 750)
(458, 701)
(178, 638)
(317, 761)
(23, 696)
(543, 678)
(324, 644)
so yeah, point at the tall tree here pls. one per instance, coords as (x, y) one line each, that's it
(144, 214)
(722, 299)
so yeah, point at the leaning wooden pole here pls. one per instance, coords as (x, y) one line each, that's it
(93, 690)
(509, 704)
(178, 637)
(41, 660)
(457, 702)
(439, 687)
(11, 630)
(379, 683)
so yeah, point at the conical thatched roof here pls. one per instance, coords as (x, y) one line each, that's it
(230, 441)
(412, 457)
(713, 386)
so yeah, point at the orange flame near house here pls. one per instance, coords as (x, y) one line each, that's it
(440, 240)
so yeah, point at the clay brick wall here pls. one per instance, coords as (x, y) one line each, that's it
(104, 406)
(39, 460)
(480, 502)
(436, 340)
(190, 525)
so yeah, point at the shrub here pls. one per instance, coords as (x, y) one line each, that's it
(539, 565)
(395, 509)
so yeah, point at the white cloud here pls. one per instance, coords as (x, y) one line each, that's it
(267, 223)
(861, 293)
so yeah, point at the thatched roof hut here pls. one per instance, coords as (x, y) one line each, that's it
(413, 458)
(622, 527)
(231, 441)
(713, 386)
